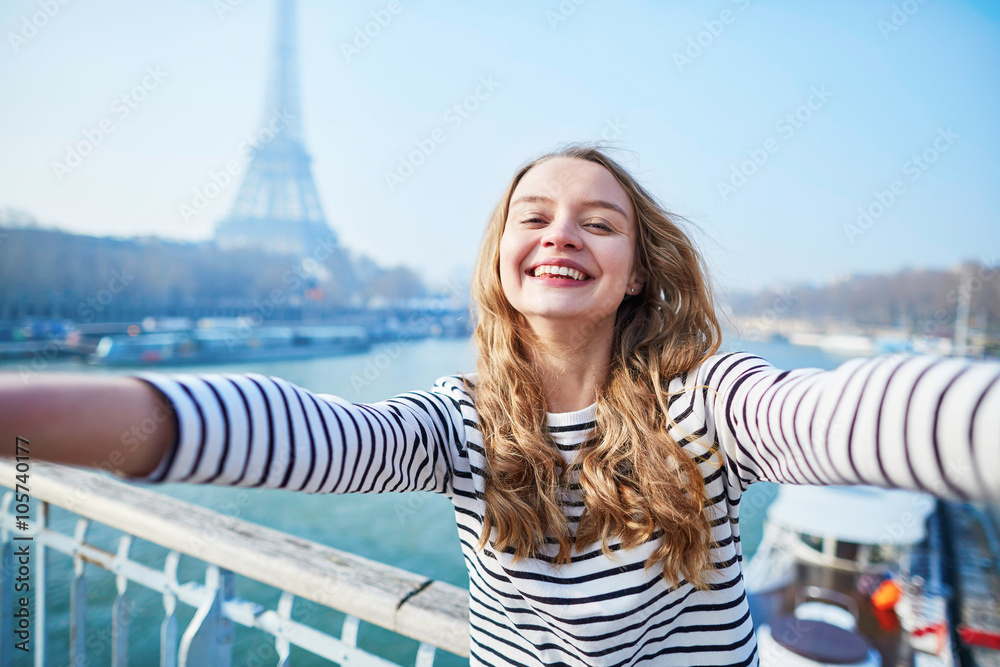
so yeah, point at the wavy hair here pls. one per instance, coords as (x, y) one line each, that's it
(638, 483)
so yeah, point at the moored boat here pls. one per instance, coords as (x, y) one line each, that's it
(855, 576)
(229, 345)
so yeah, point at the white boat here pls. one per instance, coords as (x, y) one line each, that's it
(229, 345)
(824, 550)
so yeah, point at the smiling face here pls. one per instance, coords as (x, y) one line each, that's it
(567, 254)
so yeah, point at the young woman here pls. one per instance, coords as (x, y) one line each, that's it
(597, 459)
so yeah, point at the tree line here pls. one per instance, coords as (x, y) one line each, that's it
(47, 272)
(921, 301)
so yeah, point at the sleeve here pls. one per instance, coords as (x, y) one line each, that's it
(256, 431)
(913, 422)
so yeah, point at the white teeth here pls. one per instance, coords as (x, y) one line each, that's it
(559, 271)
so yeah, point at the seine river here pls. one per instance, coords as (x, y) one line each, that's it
(412, 531)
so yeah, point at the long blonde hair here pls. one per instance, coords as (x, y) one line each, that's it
(636, 479)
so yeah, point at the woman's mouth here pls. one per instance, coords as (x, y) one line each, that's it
(558, 272)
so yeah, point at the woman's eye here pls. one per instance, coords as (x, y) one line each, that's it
(600, 225)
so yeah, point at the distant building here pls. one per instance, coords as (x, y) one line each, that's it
(277, 208)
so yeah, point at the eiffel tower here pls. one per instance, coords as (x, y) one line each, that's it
(277, 208)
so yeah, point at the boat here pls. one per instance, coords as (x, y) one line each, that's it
(221, 345)
(862, 576)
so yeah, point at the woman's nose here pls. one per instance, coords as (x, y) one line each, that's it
(561, 233)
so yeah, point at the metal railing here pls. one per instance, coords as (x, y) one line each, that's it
(434, 613)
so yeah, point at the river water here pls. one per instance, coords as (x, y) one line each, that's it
(413, 531)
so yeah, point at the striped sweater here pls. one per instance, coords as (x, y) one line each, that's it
(912, 422)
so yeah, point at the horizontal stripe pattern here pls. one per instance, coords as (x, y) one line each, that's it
(258, 431)
(914, 422)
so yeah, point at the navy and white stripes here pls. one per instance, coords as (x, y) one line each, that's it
(251, 430)
(913, 422)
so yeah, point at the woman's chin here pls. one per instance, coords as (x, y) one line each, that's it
(580, 320)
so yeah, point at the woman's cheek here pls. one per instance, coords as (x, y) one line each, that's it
(509, 268)
(508, 286)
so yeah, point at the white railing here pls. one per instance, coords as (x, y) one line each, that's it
(434, 613)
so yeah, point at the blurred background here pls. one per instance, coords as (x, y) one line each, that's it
(301, 190)
(808, 146)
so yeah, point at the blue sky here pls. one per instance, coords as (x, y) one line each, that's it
(885, 106)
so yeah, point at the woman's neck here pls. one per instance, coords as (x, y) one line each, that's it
(572, 364)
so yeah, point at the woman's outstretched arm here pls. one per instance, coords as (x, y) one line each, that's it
(237, 430)
(913, 422)
(117, 423)
(265, 432)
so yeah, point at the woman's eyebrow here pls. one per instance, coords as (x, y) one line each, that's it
(593, 203)
(531, 199)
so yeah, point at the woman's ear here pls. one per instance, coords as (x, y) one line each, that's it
(637, 282)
